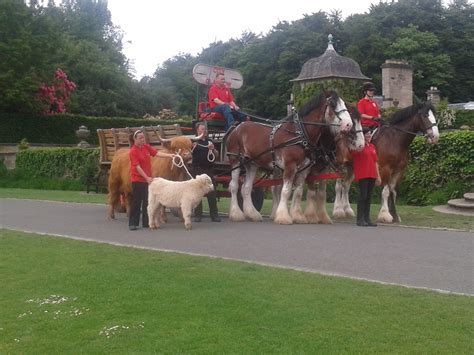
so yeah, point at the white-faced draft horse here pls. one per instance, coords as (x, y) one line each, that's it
(284, 146)
(392, 141)
(333, 155)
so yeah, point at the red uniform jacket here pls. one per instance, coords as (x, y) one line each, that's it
(368, 107)
(364, 162)
(141, 156)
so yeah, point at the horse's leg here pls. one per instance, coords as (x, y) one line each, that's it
(282, 216)
(310, 210)
(338, 210)
(348, 211)
(235, 213)
(296, 211)
(384, 214)
(393, 199)
(276, 193)
(249, 208)
(321, 203)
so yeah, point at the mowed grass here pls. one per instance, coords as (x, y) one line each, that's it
(423, 216)
(66, 296)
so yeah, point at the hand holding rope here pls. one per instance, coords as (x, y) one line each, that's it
(179, 163)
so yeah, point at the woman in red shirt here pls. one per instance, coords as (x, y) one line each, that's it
(140, 170)
(367, 107)
(366, 172)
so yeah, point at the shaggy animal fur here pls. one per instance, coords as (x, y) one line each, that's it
(178, 194)
(119, 174)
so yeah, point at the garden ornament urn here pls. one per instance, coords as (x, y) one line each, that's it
(83, 133)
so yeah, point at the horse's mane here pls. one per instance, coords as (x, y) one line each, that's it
(353, 111)
(317, 101)
(410, 111)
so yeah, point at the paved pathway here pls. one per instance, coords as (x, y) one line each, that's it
(422, 258)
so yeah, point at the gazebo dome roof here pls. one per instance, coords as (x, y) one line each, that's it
(330, 65)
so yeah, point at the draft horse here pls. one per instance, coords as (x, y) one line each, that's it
(284, 146)
(337, 155)
(392, 141)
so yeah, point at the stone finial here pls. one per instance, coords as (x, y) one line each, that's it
(330, 42)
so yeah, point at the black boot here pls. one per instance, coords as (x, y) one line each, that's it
(367, 213)
(212, 200)
(198, 212)
(360, 213)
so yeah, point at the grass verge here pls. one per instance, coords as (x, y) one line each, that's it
(65, 296)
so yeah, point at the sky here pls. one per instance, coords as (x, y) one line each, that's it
(156, 30)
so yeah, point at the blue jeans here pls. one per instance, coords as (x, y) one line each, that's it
(230, 115)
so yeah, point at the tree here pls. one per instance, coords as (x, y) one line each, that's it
(421, 50)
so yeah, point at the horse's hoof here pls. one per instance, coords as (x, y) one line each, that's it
(284, 221)
(325, 220)
(349, 212)
(312, 219)
(300, 220)
(385, 217)
(256, 217)
(188, 227)
(236, 216)
(339, 214)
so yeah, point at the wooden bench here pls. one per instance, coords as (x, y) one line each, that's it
(113, 139)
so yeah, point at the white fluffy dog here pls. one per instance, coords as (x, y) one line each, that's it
(183, 194)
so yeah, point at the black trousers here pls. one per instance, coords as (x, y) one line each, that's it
(366, 187)
(139, 204)
(211, 196)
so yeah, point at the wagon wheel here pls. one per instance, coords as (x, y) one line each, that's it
(258, 195)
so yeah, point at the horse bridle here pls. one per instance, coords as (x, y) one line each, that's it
(424, 130)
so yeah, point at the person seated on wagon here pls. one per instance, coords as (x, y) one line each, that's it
(367, 107)
(221, 100)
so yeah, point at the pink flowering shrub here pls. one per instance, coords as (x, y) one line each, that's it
(55, 96)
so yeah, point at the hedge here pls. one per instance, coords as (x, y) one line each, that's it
(64, 163)
(439, 172)
(61, 129)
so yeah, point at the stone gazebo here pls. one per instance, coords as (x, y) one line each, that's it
(342, 73)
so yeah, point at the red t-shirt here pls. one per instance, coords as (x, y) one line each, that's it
(364, 162)
(222, 94)
(141, 156)
(368, 107)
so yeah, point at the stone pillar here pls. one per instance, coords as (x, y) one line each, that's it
(397, 83)
(433, 95)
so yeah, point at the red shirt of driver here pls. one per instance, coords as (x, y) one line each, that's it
(141, 156)
(223, 94)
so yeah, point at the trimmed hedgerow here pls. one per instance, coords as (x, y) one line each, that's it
(64, 163)
(437, 173)
(61, 129)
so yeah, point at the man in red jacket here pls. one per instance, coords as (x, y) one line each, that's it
(221, 100)
(366, 172)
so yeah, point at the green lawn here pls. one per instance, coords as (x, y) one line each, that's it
(65, 296)
(411, 215)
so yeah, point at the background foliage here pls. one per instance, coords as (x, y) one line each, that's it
(61, 129)
(79, 37)
(439, 172)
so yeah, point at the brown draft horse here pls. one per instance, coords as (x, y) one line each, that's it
(392, 141)
(254, 145)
